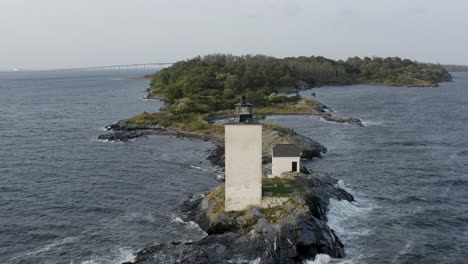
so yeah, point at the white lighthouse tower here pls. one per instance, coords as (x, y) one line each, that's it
(243, 159)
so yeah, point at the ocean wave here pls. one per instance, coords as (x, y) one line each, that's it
(198, 168)
(196, 197)
(140, 217)
(46, 248)
(189, 224)
(106, 141)
(413, 198)
(5, 189)
(325, 259)
(343, 217)
(220, 177)
(454, 182)
(119, 255)
(256, 261)
(331, 121)
(340, 184)
(320, 259)
(348, 220)
(372, 123)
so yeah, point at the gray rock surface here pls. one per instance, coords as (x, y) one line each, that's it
(291, 233)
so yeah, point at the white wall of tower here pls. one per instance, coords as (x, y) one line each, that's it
(243, 165)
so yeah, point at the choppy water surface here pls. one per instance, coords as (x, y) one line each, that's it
(66, 197)
(408, 168)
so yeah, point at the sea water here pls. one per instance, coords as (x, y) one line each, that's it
(407, 168)
(66, 197)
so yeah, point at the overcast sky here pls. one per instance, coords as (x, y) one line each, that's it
(73, 33)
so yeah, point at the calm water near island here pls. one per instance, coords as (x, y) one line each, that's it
(66, 197)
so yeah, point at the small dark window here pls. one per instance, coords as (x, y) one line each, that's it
(294, 166)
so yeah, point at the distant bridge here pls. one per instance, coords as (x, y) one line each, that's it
(107, 67)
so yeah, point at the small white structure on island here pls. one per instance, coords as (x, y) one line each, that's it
(243, 160)
(285, 158)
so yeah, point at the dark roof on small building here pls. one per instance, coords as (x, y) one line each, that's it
(286, 150)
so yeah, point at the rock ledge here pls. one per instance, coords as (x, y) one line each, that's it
(290, 233)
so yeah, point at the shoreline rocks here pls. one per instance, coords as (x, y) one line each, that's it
(123, 136)
(272, 135)
(291, 233)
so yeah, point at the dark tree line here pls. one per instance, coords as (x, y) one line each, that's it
(213, 82)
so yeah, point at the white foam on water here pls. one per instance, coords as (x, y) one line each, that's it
(325, 259)
(46, 248)
(198, 168)
(322, 119)
(319, 259)
(177, 220)
(119, 255)
(341, 184)
(372, 123)
(197, 196)
(343, 217)
(256, 261)
(189, 224)
(348, 220)
(106, 141)
(329, 121)
(138, 216)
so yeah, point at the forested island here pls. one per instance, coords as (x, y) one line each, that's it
(200, 89)
(259, 76)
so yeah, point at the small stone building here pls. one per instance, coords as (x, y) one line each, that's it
(285, 158)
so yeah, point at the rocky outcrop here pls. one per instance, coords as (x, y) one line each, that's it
(290, 233)
(121, 135)
(272, 135)
(342, 119)
(323, 111)
(125, 125)
(125, 130)
(216, 156)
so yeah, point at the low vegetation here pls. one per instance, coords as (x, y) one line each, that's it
(216, 197)
(197, 122)
(198, 89)
(188, 122)
(211, 83)
(292, 189)
(282, 187)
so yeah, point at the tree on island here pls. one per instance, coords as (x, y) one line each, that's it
(207, 84)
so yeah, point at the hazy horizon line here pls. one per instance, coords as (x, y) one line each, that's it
(19, 69)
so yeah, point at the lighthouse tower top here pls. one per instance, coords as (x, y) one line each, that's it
(244, 110)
